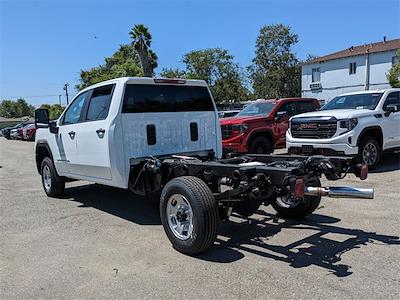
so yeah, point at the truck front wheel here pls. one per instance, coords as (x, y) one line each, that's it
(369, 152)
(261, 145)
(52, 186)
(289, 206)
(189, 214)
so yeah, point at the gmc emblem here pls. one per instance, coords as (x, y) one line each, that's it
(309, 126)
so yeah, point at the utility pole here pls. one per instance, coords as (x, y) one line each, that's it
(366, 86)
(66, 90)
(59, 99)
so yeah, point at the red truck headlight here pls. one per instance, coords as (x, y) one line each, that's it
(238, 129)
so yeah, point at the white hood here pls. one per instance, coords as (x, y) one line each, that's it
(337, 113)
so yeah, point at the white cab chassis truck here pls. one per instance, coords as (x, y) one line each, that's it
(360, 124)
(150, 135)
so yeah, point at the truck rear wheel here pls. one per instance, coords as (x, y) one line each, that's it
(298, 208)
(189, 214)
(369, 152)
(52, 185)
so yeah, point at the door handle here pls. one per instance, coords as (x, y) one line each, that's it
(100, 131)
(71, 133)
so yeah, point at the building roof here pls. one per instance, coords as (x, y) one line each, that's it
(386, 45)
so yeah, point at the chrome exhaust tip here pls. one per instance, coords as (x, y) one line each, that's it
(340, 192)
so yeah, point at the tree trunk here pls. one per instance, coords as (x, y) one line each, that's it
(145, 62)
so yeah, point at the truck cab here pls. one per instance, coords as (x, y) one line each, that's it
(109, 124)
(261, 126)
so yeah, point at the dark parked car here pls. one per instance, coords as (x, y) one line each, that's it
(7, 130)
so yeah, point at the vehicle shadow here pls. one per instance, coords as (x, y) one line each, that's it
(251, 235)
(389, 162)
(245, 235)
(118, 202)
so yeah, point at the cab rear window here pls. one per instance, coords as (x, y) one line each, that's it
(141, 98)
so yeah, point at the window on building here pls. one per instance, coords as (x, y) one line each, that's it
(316, 75)
(352, 68)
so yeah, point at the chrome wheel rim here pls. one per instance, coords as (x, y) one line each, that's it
(46, 178)
(370, 153)
(180, 216)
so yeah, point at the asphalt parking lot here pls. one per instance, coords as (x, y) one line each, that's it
(100, 242)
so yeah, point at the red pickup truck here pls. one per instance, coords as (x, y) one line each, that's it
(261, 126)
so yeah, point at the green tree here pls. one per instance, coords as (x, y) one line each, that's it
(275, 71)
(310, 57)
(141, 40)
(393, 76)
(55, 110)
(7, 109)
(16, 109)
(172, 73)
(124, 62)
(217, 67)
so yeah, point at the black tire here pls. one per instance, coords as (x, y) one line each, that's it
(369, 145)
(261, 145)
(55, 186)
(304, 208)
(204, 214)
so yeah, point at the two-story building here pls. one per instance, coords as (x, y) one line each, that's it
(356, 68)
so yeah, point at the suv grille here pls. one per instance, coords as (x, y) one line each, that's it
(313, 129)
(226, 131)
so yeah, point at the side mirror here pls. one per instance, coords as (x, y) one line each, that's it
(42, 118)
(280, 114)
(392, 108)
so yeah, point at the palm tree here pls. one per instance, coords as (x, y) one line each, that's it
(141, 39)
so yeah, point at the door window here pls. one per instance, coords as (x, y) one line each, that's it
(302, 107)
(100, 103)
(288, 107)
(73, 113)
(392, 98)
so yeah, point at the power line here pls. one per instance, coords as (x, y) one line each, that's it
(36, 96)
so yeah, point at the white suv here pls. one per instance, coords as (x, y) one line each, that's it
(360, 124)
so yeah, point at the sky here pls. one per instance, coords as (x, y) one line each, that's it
(44, 44)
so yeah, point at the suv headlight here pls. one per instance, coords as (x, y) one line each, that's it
(348, 124)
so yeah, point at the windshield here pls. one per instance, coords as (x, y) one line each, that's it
(258, 108)
(357, 101)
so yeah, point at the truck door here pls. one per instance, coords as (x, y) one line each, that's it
(391, 122)
(282, 124)
(66, 139)
(92, 135)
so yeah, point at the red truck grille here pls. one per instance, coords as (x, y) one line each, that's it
(226, 131)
